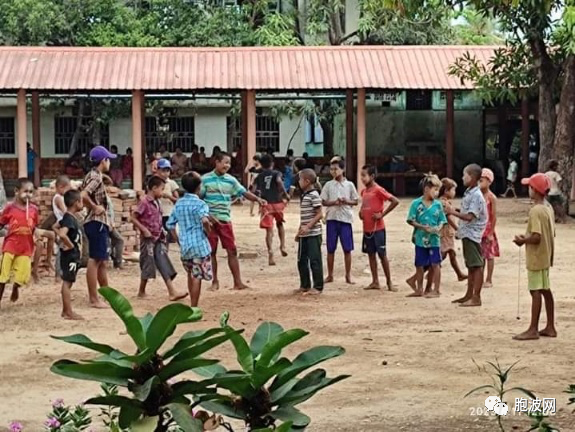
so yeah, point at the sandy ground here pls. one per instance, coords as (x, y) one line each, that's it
(428, 344)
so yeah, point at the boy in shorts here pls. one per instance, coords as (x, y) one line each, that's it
(373, 199)
(473, 221)
(153, 244)
(218, 190)
(339, 196)
(539, 241)
(69, 234)
(192, 216)
(20, 219)
(270, 186)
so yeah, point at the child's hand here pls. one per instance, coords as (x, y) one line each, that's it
(296, 239)
(303, 231)
(146, 233)
(519, 240)
(98, 210)
(429, 229)
(490, 237)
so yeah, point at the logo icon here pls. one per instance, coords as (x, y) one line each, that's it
(501, 408)
(491, 401)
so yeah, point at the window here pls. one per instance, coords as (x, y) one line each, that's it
(418, 100)
(7, 135)
(65, 128)
(172, 132)
(267, 133)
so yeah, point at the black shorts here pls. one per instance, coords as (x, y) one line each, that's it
(374, 243)
(69, 265)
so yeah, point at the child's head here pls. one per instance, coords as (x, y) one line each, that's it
(553, 165)
(164, 169)
(336, 168)
(73, 200)
(298, 165)
(307, 179)
(266, 161)
(471, 175)
(430, 185)
(157, 156)
(63, 184)
(486, 179)
(289, 153)
(539, 185)
(195, 148)
(114, 149)
(129, 151)
(257, 159)
(179, 151)
(223, 162)
(202, 149)
(156, 186)
(100, 158)
(368, 173)
(24, 190)
(448, 188)
(191, 182)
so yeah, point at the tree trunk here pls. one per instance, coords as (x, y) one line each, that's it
(79, 128)
(327, 127)
(565, 127)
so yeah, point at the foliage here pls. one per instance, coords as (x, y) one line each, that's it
(267, 388)
(64, 418)
(475, 28)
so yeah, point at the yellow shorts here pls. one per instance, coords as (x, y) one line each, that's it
(19, 267)
(538, 280)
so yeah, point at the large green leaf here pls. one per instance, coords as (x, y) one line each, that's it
(146, 320)
(203, 347)
(224, 407)
(243, 352)
(273, 348)
(291, 414)
(115, 357)
(183, 388)
(86, 342)
(295, 397)
(182, 415)
(101, 372)
(174, 368)
(262, 375)
(189, 339)
(128, 416)
(142, 391)
(166, 321)
(237, 383)
(123, 309)
(115, 400)
(280, 392)
(264, 334)
(210, 371)
(306, 360)
(284, 427)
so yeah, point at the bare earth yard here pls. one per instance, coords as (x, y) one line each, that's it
(428, 344)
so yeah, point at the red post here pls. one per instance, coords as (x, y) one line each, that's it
(22, 138)
(137, 138)
(449, 132)
(36, 138)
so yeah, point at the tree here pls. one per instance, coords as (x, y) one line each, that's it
(539, 58)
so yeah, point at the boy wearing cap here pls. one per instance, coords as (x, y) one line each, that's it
(96, 224)
(539, 241)
(170, 195)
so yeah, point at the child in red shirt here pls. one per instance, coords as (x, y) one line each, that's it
(20, 219)
(373, 199)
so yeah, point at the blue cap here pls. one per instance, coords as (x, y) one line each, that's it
(99, 153)
(164, 164)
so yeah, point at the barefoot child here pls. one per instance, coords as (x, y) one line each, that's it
(427, 218)
(473, 220)
(372, 213)
(270, 186)
(69, 234)
(539, 250)
(153, 244)
(59, 209)
(191, 215)
(555, 196)
(218, 190)
(489, 243)
(446, 194)
(20, 219)
(253, 170)
(339, 196)
(309, 235)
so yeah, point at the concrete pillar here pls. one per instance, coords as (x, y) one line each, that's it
(137, 137)
(22, 138)
(250, 121)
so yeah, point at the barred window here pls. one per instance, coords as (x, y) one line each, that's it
(267, 133)
(173, 132)
(65, 128)
(7, 135)
(418, 100)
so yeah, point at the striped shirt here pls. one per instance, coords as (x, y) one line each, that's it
(218, 191)
(310, 202)
(188, 214)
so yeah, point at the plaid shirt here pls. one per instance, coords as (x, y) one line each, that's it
(94, 186)
(188, 214)
(150, 215)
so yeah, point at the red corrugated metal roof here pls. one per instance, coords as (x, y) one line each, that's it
(254, 68)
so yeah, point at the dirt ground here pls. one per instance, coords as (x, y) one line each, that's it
(428, 345)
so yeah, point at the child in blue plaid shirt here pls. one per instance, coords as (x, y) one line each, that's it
(191, 214)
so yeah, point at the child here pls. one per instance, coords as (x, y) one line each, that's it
(298, 165)
(427, 217)
(339, 196)
(153, 247)
(539, 250)
(489, 243)
(270, 186)
(288, 171)
(59, 209)
(116, 173)
(555, 196)
(218, 189)
(372, 213)
(191, 215)
(69, 232)
(511, 178)
(154, 162)
(128, 164)
(170, 195)
(253, 170)
(473, 220)
(309, 236)
(20, 219)
(446, 194)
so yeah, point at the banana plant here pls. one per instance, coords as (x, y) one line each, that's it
(268, 387)
(155, 403)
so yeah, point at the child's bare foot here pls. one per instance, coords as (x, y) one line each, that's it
(283, 252)
(312, 292)
(472, 302)
(462, 277)
(416, 293)
(241, 286)
(300, 291)
(373, 286)
(271, 260)
(98, 305)
(142, 295)
(411, 282)
(15, 294)
(349, 281)
(178, 296)
(527, 335)
(433, 294)
(391, 287)
(461, 300)
(548, 332)
(488, 285)
(328, 279)
(214, 287)
(72, 316)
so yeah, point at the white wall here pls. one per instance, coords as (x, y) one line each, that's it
(292, 128)
(210, 128)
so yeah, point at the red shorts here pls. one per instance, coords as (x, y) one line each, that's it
(271, 212)
(223, 231)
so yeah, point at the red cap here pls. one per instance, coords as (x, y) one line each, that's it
(539, 181)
